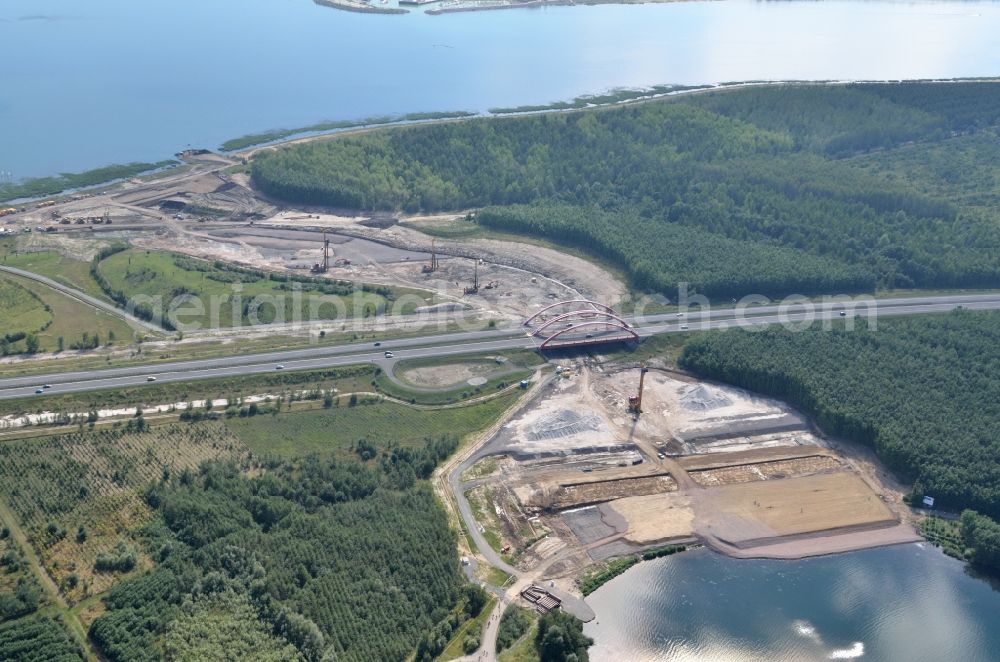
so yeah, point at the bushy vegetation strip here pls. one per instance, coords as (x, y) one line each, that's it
(597, 578)
(42, 186)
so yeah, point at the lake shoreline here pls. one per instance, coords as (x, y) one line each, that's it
(701, 605)
(457, 6)
(621, 98)
(359, 7)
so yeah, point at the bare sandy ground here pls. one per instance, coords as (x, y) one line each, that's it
(446, 375)
(745, 514)
(656, 517)
(824, 543)
(764, 495)
(581, 277)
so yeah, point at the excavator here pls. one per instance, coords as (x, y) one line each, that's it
(635, 401)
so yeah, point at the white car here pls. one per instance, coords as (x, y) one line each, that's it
(389, 355)
(279, 367)
(150, 379)
(680, 314)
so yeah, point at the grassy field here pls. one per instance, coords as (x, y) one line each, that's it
(334, 431)
(233, 298)
(61, 268)
(481, 501)
(491, 575)
(524, 649)
(443, 381)
(667, 348)
(449, 396)
(484, 467)
(22, 310)
(514, 358)
(62, 317)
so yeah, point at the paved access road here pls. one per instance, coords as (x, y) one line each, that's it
(451, 344)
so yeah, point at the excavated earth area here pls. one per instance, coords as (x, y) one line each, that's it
(506, 293)
(743, 474)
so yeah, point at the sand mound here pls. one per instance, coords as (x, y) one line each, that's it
(563, 423)
(702, 397)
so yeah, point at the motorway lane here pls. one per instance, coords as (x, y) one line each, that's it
(96, 381)
(446, 345)
(276, 356)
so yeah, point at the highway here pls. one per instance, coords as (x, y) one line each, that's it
(451, 344)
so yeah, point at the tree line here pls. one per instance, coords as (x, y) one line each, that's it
(785, 168)
(923, 392)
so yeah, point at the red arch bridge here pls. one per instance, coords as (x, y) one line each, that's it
(578, 322)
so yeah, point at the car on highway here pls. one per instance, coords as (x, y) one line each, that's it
(680, 314)
(46, 386)
(389, 355)
(378, 344)
(150, 379)
(684, 327)
(279, 367)
(38, 390)
(843, 313)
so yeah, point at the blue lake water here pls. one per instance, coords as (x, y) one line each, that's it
(90, 83)
(909, 603)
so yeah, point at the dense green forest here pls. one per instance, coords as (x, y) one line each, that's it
(982, 536)
(821, 172)
(924, 392)
(37, 638)
(560, 638)
(657, 258)
(313, 559)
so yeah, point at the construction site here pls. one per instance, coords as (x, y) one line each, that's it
(608, 460)
(605, 459)
(204, 210)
